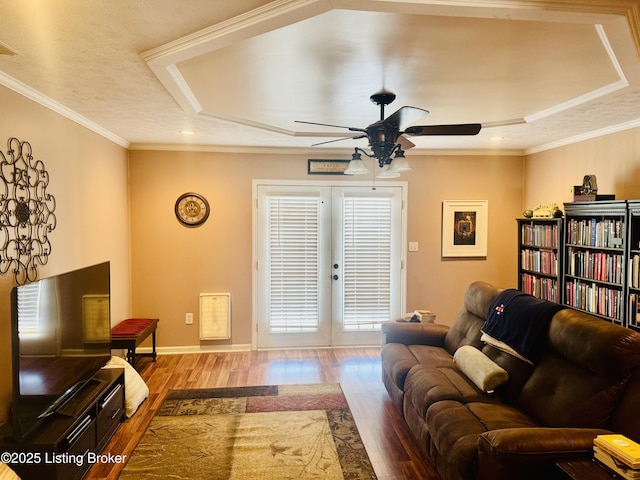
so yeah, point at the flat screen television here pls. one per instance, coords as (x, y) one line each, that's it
(61, 329)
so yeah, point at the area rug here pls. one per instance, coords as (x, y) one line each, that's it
(270, 432)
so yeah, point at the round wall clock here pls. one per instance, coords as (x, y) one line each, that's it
(192, 209)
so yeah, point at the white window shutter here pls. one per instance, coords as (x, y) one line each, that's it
(293, 263)
(367, 262)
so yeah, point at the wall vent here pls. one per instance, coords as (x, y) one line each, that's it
(215, 316)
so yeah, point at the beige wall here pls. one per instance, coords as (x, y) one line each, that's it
(614, 159)
(172, 264)
(88, 178)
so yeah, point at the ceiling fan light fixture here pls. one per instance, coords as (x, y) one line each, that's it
(386, 172)
(356, 165)
(399, 164)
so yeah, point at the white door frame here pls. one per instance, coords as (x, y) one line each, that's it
(325, 183)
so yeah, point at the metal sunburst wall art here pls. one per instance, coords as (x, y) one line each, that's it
(26, 212)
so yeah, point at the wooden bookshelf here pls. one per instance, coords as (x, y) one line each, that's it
(595, 258)
(539, 247)
(633, 284)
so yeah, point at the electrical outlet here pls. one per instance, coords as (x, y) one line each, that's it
(188, 319)
(413, 246)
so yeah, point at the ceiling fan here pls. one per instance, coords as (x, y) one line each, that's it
(388, 135)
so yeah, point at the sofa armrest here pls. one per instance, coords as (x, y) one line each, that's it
(414, 333)
(531, 452)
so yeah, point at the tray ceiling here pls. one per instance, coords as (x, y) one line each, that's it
(238, 74)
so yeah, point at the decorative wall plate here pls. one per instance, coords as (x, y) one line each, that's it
(192, 209)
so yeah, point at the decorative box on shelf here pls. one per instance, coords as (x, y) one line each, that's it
(593, 197)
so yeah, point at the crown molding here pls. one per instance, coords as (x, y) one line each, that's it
(312, 152)
(586, 136)
(32, 94)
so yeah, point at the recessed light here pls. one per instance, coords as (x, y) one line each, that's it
(496, 139)
(186, 132)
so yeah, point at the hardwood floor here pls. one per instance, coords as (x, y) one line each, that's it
(389, 443)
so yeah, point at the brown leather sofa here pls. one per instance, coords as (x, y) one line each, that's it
(585, 383)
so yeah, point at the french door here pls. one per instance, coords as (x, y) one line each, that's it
(329, 266)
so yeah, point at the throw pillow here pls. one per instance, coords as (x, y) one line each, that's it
(480, 369)
(135, 390)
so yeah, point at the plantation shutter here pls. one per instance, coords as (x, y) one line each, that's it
(367, 261)
(293, 263)
(28, 301)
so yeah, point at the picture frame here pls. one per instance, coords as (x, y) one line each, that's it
(464, 228)
(326, 167)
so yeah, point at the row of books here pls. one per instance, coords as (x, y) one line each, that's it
(606, 233)
(540, 235)
(542, 261)
(544, 288)
(602, 266)
(634, 310)
(634, 271)
(594, 298)
(619, 454)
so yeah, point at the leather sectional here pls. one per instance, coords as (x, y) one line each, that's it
(585, 381)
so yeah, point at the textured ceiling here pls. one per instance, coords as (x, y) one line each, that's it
(240, 73)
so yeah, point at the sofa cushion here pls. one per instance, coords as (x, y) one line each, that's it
(480, 369)
(606, 349)
(427, 385)
(562, 394)
(455, 428)
(580, 379)
(397, 360)
(431, 356)
(471, 317)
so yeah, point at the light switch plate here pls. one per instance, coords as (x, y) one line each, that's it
(188, 319)
(413, 246)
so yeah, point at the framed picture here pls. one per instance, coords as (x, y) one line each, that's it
(326, 167)
(464, 228)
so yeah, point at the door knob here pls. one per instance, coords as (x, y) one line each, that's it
(335, 266)
(335, 277)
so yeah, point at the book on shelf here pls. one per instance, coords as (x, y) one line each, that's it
(594, 298)
(634, 309)
(601, 266)
(634, 271)
(540, 287)
(620, 447)
(606, 233)
(540, 235)
(540, 261)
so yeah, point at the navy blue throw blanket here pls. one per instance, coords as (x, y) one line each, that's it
(520, 320)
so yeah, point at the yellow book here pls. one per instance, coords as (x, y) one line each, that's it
(621, 447)
(615, 465)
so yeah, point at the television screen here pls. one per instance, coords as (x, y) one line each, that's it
(61, 337)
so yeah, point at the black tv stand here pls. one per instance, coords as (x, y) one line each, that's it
(63, 446)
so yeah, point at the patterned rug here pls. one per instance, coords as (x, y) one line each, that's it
(272, 432)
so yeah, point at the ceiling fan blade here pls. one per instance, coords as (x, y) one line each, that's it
(405, 143)
(405, 116)
(340, 139)
(353, 129)
(456, 129)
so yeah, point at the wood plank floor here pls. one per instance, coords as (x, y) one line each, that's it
(389, 443)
